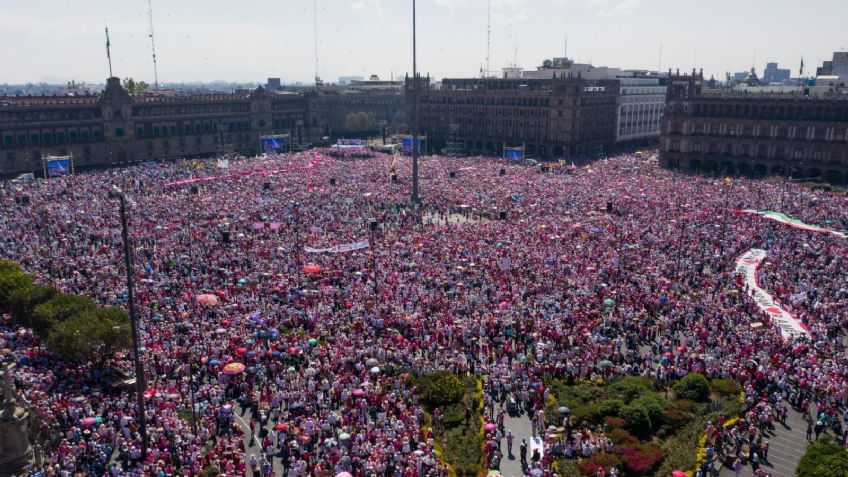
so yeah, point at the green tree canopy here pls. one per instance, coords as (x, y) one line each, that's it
(823, 458)
(134, 87)
(22, 302)
(359, 122)
(58, 309)
(92, 335)
(11, 280)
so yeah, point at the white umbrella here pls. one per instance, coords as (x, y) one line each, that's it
(375, 370)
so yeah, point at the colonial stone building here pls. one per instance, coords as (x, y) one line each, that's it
(116, 128)
(800, 135)
(556, 117)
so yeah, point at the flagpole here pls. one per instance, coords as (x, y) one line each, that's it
(108, 53)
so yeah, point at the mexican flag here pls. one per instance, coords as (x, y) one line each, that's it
(794, 223)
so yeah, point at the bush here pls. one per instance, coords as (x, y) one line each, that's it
(453, 415)
(637, 418)
(621, 437)
(823, 458)
(610, 407)
(567, 468)
(440, 388)
(680, 449)
(655, 406)
(601, 460)
(641, 459)
(615, 422)
(58, 309)
(22, 302)
(631, 387)
(725, 387)
(583, 412)
(693, 386)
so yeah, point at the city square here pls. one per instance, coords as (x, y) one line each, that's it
(568, 270)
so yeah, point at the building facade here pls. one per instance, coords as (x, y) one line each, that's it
(794, 135)
(116, 128)
(552, 118)
(640, 109)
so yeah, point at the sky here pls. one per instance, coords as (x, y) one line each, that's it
(250, 40)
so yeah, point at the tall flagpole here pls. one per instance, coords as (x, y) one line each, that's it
(108, 54)
(415, 198)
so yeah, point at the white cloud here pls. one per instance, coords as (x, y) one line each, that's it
(612, 8)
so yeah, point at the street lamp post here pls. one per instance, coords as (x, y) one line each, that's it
(415, 198)
(139, 371)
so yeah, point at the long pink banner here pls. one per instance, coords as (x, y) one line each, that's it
(242, 175)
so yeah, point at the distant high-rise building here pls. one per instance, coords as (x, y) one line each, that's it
(274, 84)
(838, 66)
(774, 75)
(345, 80)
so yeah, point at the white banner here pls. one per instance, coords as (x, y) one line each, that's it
(747, 265)
(348, 247)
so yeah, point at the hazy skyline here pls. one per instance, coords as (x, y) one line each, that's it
(250, 41)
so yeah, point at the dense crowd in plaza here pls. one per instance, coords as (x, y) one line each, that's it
(619, 262)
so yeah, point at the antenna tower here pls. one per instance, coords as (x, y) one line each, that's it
(315, 35)
(489, 40)
(152, 42)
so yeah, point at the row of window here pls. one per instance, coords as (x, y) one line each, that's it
(480, 101)
(49, 116)
(820, 112)
(49, 138)
(773, 131)
(190, 110)
(763, 151)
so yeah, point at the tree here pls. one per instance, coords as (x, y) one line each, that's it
(94, 335)
(134, 87)
(58, 309)
(823, 458)
(22, 302)
(359, 122)
(11, 280)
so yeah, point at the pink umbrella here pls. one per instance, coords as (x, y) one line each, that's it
(88, 421)
(490, 426)
(678, 473)
(359, 393)
(207, 299)
(234, 368)
(343, 474)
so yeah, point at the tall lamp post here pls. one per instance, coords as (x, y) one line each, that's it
(139, 371)
(415, 198)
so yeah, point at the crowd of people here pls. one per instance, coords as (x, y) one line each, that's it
(501, 271)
